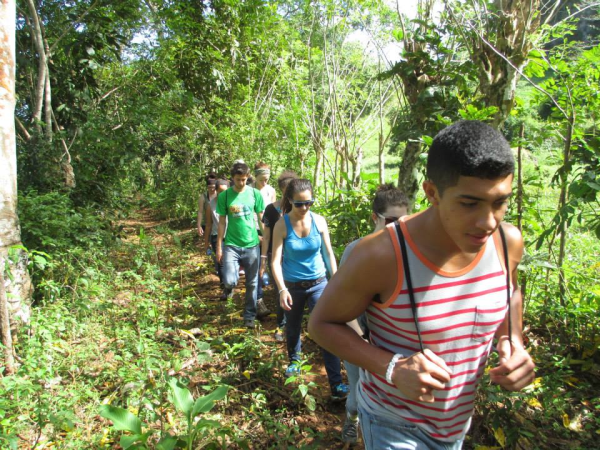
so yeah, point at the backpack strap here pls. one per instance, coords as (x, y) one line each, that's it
(507, 266)
(411, 294)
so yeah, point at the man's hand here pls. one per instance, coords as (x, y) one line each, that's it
(219, 254)
(200, 232)
(285, 299)
(263, 264)
(515, 370)
(420, 374)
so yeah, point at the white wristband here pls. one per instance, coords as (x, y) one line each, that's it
(284, 289)
(390, 368)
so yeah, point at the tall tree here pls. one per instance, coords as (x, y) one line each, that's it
(61, 47)
(18, 283)
(431, 72)
(500, 35)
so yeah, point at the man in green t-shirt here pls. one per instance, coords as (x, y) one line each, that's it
(237, 207)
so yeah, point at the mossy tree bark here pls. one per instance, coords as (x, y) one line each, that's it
(18, 286)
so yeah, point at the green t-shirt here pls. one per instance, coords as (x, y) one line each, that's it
(240, 209)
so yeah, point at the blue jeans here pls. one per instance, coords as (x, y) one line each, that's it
(300, 298)
(353, 380)
(250, 259)
(213, 244)
(382, 433)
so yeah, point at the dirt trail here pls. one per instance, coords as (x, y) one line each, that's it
(223, 319)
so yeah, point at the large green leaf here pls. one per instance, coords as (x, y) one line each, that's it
(128, 442)
(303, 389)
(182, 397)
(205, 404)
(167, 443)
(121, 419)
(206, 423)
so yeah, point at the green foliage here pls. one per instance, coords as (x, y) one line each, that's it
(471, 112)
(303, 385)
(81, 38)
(51, 222)
(348, 214)
(124, 420)
(436, 81)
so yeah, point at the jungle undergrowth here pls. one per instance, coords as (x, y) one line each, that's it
(116, 332)
(117, 328)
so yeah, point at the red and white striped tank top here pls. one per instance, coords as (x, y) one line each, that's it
(458, 313)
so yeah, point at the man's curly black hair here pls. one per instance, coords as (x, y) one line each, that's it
(468, 148)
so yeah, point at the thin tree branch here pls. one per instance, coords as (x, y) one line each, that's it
(23, 130)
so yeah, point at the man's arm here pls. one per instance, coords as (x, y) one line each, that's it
(279, 233)
(371, 270)
(259, 208)
(264, 249)
(209, 225)
(200, 214)
(260, 222)
(220, 235)
(516, 368)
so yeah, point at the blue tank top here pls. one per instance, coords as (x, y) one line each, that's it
(302, 258)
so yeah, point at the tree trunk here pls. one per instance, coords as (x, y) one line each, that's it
(19, 285)
(48, 109)
(501, 50)
(42, 66)
(43, 96)
(407, 175)
(561, 204)
(9, 360)
(499, 87)
(356, 168)
(415, 81)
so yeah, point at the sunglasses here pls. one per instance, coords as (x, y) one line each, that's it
(308, 203)
(388, 220)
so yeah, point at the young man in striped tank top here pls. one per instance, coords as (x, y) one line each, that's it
(426, 354)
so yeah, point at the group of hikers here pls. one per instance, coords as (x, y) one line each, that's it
(414, 309)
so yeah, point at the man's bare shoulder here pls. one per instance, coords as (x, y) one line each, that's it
(514, 241)
(370, 267)
(375, 246)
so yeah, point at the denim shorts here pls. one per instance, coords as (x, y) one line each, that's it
(383, 433)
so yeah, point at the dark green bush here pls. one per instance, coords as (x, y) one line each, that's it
(51, 223)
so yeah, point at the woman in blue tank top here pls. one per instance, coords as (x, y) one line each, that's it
(302, 239)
